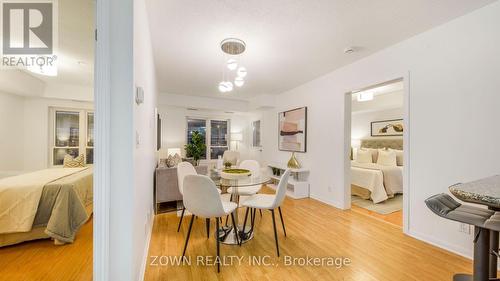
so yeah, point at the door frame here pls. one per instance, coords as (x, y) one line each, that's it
(405, 77)
(102, 118)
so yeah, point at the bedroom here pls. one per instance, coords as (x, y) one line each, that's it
(47, 148)
(377, 151)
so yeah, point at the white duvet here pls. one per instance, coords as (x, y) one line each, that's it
(20, 195)
(382, 181)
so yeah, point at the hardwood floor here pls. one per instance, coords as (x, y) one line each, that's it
(377, 250)
(41, 260)
(395, 218)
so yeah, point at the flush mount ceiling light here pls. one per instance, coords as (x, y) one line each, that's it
(232, 49)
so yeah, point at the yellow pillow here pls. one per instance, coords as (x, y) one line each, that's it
(70, 162)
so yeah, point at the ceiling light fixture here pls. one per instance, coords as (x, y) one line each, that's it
(232, 64)
(232, 49)
(239, 81)
(242, 72)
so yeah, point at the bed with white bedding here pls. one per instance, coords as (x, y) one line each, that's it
(375, 181)
(50, 203)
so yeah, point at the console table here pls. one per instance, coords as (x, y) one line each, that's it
(298, 184)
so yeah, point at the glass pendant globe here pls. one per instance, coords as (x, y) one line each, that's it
(242, 72)
(232, 64)
(229, 86)
(239, 81)
(222, 87)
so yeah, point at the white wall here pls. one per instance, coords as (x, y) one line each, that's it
(11, 132)
(361, 121)
(174, 127)
(24, 123)
(145, 149)
(36, 129)
(453, 104)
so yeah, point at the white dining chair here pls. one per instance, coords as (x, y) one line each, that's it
(184, 169)
(202, 199)
(231, 156)
(254, 168)
(269, 202)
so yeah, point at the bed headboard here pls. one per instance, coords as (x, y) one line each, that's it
(382, 143)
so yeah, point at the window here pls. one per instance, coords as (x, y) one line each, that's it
(200, 126)
(73, 134)
(218, 138)
(215, 135)
(256, 134)
(90, 138)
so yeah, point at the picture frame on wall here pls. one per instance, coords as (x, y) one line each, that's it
(292, 130)
(387, 128)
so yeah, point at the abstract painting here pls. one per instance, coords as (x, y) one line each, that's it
(292, 133)
(387, 128)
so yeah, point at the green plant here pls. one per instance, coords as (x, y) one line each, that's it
(227, 165)
(196, 148)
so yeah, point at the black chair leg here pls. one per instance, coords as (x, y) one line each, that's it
(245, 220)
(208, 227)
(282, 222)
(182, 215)
(235, 228)
(275, 234)
(189, 234)
(253, 219)
(217, 242)
(227, 217)
(260, 211)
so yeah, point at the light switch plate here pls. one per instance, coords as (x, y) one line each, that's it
(139, 95)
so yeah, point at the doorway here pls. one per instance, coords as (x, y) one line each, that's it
(377, 147)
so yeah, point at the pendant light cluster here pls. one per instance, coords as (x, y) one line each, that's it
(232, 49)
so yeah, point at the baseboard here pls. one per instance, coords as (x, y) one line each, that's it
(146, 248)
(325, 202)
(440, 244)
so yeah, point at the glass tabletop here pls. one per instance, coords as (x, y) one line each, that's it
(246, 181)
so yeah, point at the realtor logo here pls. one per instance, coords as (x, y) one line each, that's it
(29, 35)
(27, 28)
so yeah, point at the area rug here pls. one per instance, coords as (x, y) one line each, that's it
(388, 206)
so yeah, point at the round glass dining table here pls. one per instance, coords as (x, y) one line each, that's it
(226, 233)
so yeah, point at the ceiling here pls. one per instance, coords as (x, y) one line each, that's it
(75, 52)
(288, 42)
(75, 49)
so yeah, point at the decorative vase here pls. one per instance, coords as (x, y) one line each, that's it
(293, 163)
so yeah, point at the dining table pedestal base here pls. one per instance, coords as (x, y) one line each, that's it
(226, 235)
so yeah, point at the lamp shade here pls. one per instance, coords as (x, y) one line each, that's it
(236, 136)
(173, 151)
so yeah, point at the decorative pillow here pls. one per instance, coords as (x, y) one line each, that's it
(374, 153)
(386, 157)
(70, 162)
(364, 156)
(172, 161)
(399, 156)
